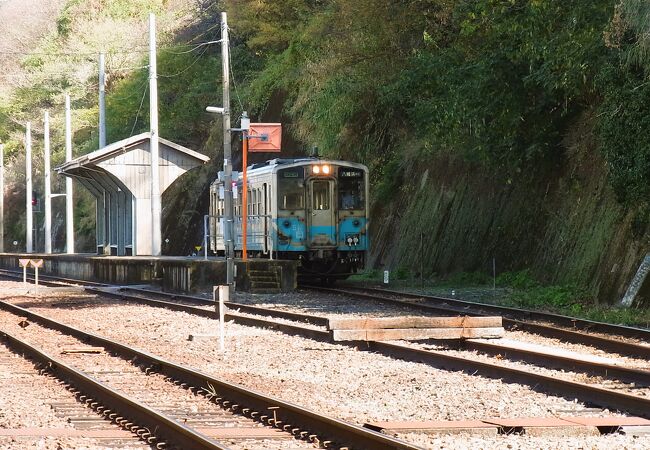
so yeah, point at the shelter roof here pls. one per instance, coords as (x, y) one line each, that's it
(123, 146)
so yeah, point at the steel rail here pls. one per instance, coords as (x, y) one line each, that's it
(557, 319)
(163, 427)
(229, 315)
(272, 411)
(296, 317)
(620, 373)
(577, 337)
(49, 280)
(612, 371)
(589, 394)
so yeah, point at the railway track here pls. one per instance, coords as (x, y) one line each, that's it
(313, 327)
(564, 328)
(189, 417)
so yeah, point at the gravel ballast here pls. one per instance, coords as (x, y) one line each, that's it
(333, 379)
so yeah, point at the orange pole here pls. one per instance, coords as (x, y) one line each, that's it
(244, 199)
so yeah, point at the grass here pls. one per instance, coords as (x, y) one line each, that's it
(517, 289)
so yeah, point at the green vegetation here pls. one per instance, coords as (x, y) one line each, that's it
(517, 289)
(507, 113)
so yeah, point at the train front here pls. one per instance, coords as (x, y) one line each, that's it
(323, 217)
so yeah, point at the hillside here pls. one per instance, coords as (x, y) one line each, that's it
(511, 131)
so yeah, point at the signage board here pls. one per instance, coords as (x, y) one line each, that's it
(265, 137)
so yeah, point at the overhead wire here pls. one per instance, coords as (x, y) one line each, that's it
(186, 68)
(234, 83)
(135, 122)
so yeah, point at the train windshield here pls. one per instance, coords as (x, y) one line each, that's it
(351, 188)
(291, 188)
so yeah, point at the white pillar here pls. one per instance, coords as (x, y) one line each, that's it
(28, 189)
(153, 143)
(48, 188)
(102, 102)
(69, 225)
(2, 199)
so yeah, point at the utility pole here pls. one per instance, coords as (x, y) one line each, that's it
(2, 199)
(229, 238)
(153, 142)
(102, 102)
(28, 188)
(69, 226)
(48, 188)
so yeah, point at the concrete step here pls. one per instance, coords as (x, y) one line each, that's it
(263, 278)
(263, 272)
(265, 284)
(265, 290)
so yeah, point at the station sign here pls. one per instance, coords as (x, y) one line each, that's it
(265, 137)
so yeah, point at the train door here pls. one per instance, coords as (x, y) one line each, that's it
(322, 230)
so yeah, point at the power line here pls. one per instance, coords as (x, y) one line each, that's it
(234, 84)
(186, 68)
(130, 50)
(144, 94)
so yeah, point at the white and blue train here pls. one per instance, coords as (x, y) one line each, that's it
(310, 209)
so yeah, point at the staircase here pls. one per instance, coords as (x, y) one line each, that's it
(265, 281)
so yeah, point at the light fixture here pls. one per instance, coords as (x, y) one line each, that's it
(316, 169)
(326, 169)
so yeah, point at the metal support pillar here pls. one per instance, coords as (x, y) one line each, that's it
(48, 187)
(28, 189)
(2, 199)
(153, 143)
(102, 102)
(229, 238)
(69, 213)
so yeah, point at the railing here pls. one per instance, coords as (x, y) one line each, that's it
(258, 232)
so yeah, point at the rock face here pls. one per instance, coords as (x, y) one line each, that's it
(563, 222)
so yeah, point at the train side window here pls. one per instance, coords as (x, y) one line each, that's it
(291, 190)
(264, 195)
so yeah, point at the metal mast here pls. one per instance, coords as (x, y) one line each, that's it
(102, 102)
(48, 188)
(69, 225)
(227, 154)
(153, 142)
(28, 188)
(2, 199)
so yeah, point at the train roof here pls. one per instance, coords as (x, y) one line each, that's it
(273, 164)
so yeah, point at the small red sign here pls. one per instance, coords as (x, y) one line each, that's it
(265, 137)
(23, 262)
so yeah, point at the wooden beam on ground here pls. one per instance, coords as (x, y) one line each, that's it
(82, 350)
(417, 334)
(413, 322)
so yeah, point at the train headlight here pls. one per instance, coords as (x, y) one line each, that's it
(355, 240)
(326, 169)
(315, 169)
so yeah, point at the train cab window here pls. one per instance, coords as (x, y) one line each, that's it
(321, 195)
(291, 188)
(351, 188)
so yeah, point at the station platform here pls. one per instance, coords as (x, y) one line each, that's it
(173, 273)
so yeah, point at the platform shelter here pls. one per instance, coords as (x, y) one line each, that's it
(119, 177)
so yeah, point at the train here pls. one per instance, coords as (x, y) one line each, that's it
(308, 209)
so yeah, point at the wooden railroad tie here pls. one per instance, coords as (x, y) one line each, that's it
(415, 328)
